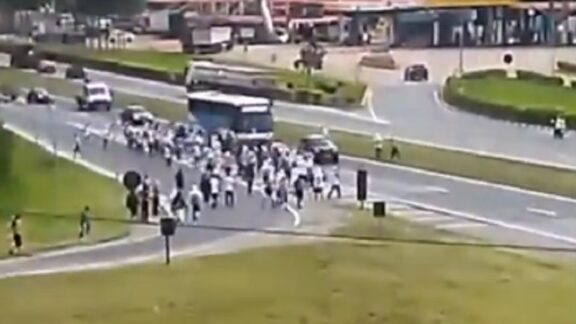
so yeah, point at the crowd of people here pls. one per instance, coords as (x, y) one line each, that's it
(224, 164)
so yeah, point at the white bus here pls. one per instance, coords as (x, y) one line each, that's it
(249, 117)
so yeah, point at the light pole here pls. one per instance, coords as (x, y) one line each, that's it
(461, 49)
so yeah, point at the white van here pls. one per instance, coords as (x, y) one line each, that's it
(95, 96)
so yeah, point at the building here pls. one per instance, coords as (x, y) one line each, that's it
(411, 23)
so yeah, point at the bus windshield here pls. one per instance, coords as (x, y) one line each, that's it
(254, 122)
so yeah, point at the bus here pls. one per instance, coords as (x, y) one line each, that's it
(249, 117)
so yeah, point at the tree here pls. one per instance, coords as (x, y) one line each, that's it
(110, 7)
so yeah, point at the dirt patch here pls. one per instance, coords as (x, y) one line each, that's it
(379, 61)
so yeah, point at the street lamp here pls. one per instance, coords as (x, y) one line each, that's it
(461, 48)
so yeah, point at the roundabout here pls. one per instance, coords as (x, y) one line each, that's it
(521, 96)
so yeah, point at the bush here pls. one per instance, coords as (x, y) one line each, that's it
(566, 66)
(484, 74)
(539, 78)
(537, 116)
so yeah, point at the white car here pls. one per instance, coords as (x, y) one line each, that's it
(95, 96)
(118, 36)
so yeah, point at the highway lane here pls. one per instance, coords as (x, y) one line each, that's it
(517, 214)
(503, 204)
(405, 111)
(57, 126)
(416, 112)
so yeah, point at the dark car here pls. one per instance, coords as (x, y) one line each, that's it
(46, 67)
(75, 72)
(322, 148)
(136, 116)
(39, 96)
(417, 72)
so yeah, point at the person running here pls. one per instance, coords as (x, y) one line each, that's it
(15, 226)
(177, 205)
(179, 179)
(132, 204)
(318, 184)
(229, 190)
(107, 136)
(214, 190)
(77, 146)
(335, 185)
(249, 174)
(195, 200)
(168, 155)
(282, 193)
(155, 200)
(85, 223)
(299, 191)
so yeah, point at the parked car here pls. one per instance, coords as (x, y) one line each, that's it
(136, 115)
(39, 96)
(46, 67)
(75, 72)
(416, 72)
(323, 149)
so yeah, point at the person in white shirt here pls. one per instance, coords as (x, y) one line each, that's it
(214, 190)
(168, 155)
(335, 185)
(229, 190)
(195, 202)
(318, 184)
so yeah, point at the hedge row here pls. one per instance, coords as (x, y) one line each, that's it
(566, 66)
(452, 94)
(306, 96)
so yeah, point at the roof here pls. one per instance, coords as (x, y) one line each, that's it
(231, 99)
(96, 85)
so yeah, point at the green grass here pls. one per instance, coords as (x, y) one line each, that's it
(173, 62)
(351, 92)
(519, 93)
(35, 181)
(543, 179)
(332, 283)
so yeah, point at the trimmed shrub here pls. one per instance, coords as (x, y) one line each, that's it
(539, 78)
(484, 74)
(566, 66)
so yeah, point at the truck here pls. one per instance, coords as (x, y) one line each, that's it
(95, 96)
(205, 40)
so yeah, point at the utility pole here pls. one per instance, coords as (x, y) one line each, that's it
(461, 49)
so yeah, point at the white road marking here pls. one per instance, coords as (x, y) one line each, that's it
(436, 189)
(462, 179)
(432, 218)
(495, 222)
(544, 212)
(460, 225)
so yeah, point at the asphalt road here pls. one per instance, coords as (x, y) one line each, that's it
(59, 126)
(497, 213)
(404, 111)
(488, 211)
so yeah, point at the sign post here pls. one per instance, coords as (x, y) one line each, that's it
(167, 229)
(379, 212)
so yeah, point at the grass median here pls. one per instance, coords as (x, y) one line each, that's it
(322, 282)
(519, 93)
(528, 176)
(50, 193)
